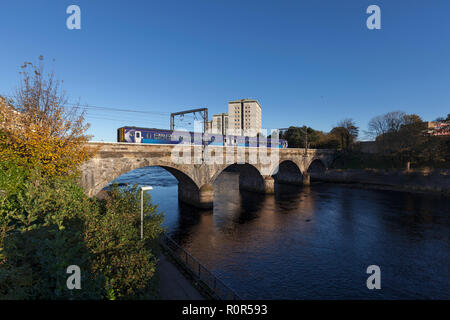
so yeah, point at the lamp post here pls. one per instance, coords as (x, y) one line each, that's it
(305, 131)
(143, 188)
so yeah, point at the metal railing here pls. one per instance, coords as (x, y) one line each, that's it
(216, 287)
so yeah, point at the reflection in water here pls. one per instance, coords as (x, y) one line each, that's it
(313, 242)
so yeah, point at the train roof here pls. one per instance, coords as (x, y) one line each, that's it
(141, 128)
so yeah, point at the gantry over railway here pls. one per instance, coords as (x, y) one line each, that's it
(259, 169)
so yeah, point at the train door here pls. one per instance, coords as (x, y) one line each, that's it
(137, 137)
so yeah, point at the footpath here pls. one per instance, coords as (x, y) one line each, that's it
(173, 283)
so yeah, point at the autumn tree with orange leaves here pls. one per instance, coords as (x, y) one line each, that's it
(40, 130)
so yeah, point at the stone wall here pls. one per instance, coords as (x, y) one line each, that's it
(422, 181)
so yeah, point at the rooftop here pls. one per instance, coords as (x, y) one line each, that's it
(245, 100)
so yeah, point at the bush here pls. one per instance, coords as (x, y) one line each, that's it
(42, 234)
(113, 236)
(48, 223)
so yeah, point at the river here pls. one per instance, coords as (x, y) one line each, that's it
(312, 242)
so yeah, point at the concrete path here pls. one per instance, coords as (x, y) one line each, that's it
(173, 284)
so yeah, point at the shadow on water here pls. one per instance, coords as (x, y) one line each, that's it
(188, 218)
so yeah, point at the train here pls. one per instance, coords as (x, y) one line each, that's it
(162, 136)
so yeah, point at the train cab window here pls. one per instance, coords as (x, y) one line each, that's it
(138, 135)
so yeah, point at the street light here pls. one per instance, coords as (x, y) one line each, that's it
(305, 131)
(143, 188)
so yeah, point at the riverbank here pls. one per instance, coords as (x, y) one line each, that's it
(428, 181)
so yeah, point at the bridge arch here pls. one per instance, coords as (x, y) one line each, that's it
(188, 190)
(250, 177)
(317, 165)
(288, 172)
(98, 173)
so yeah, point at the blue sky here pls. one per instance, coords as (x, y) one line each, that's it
(307, 62)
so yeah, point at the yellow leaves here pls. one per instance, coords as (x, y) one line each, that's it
(44, 134)
(41, 144)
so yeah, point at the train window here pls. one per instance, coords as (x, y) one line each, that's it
(138, 135)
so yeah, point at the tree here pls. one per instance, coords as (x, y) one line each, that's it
(297, 137)
(347, 132)
(341, 134)
(350, 125)
(389, 122)
(41, 131)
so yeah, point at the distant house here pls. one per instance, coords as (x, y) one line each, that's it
(9, 117)
(438, 128)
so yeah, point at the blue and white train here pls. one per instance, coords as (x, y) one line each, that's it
(161, 136)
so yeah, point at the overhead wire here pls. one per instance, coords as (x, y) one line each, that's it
(159, 118)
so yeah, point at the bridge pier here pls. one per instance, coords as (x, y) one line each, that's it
(202, 198)
(206, 197)
(306, 179)
(269, 185)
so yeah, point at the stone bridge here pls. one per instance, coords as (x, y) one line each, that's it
(197, 167)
